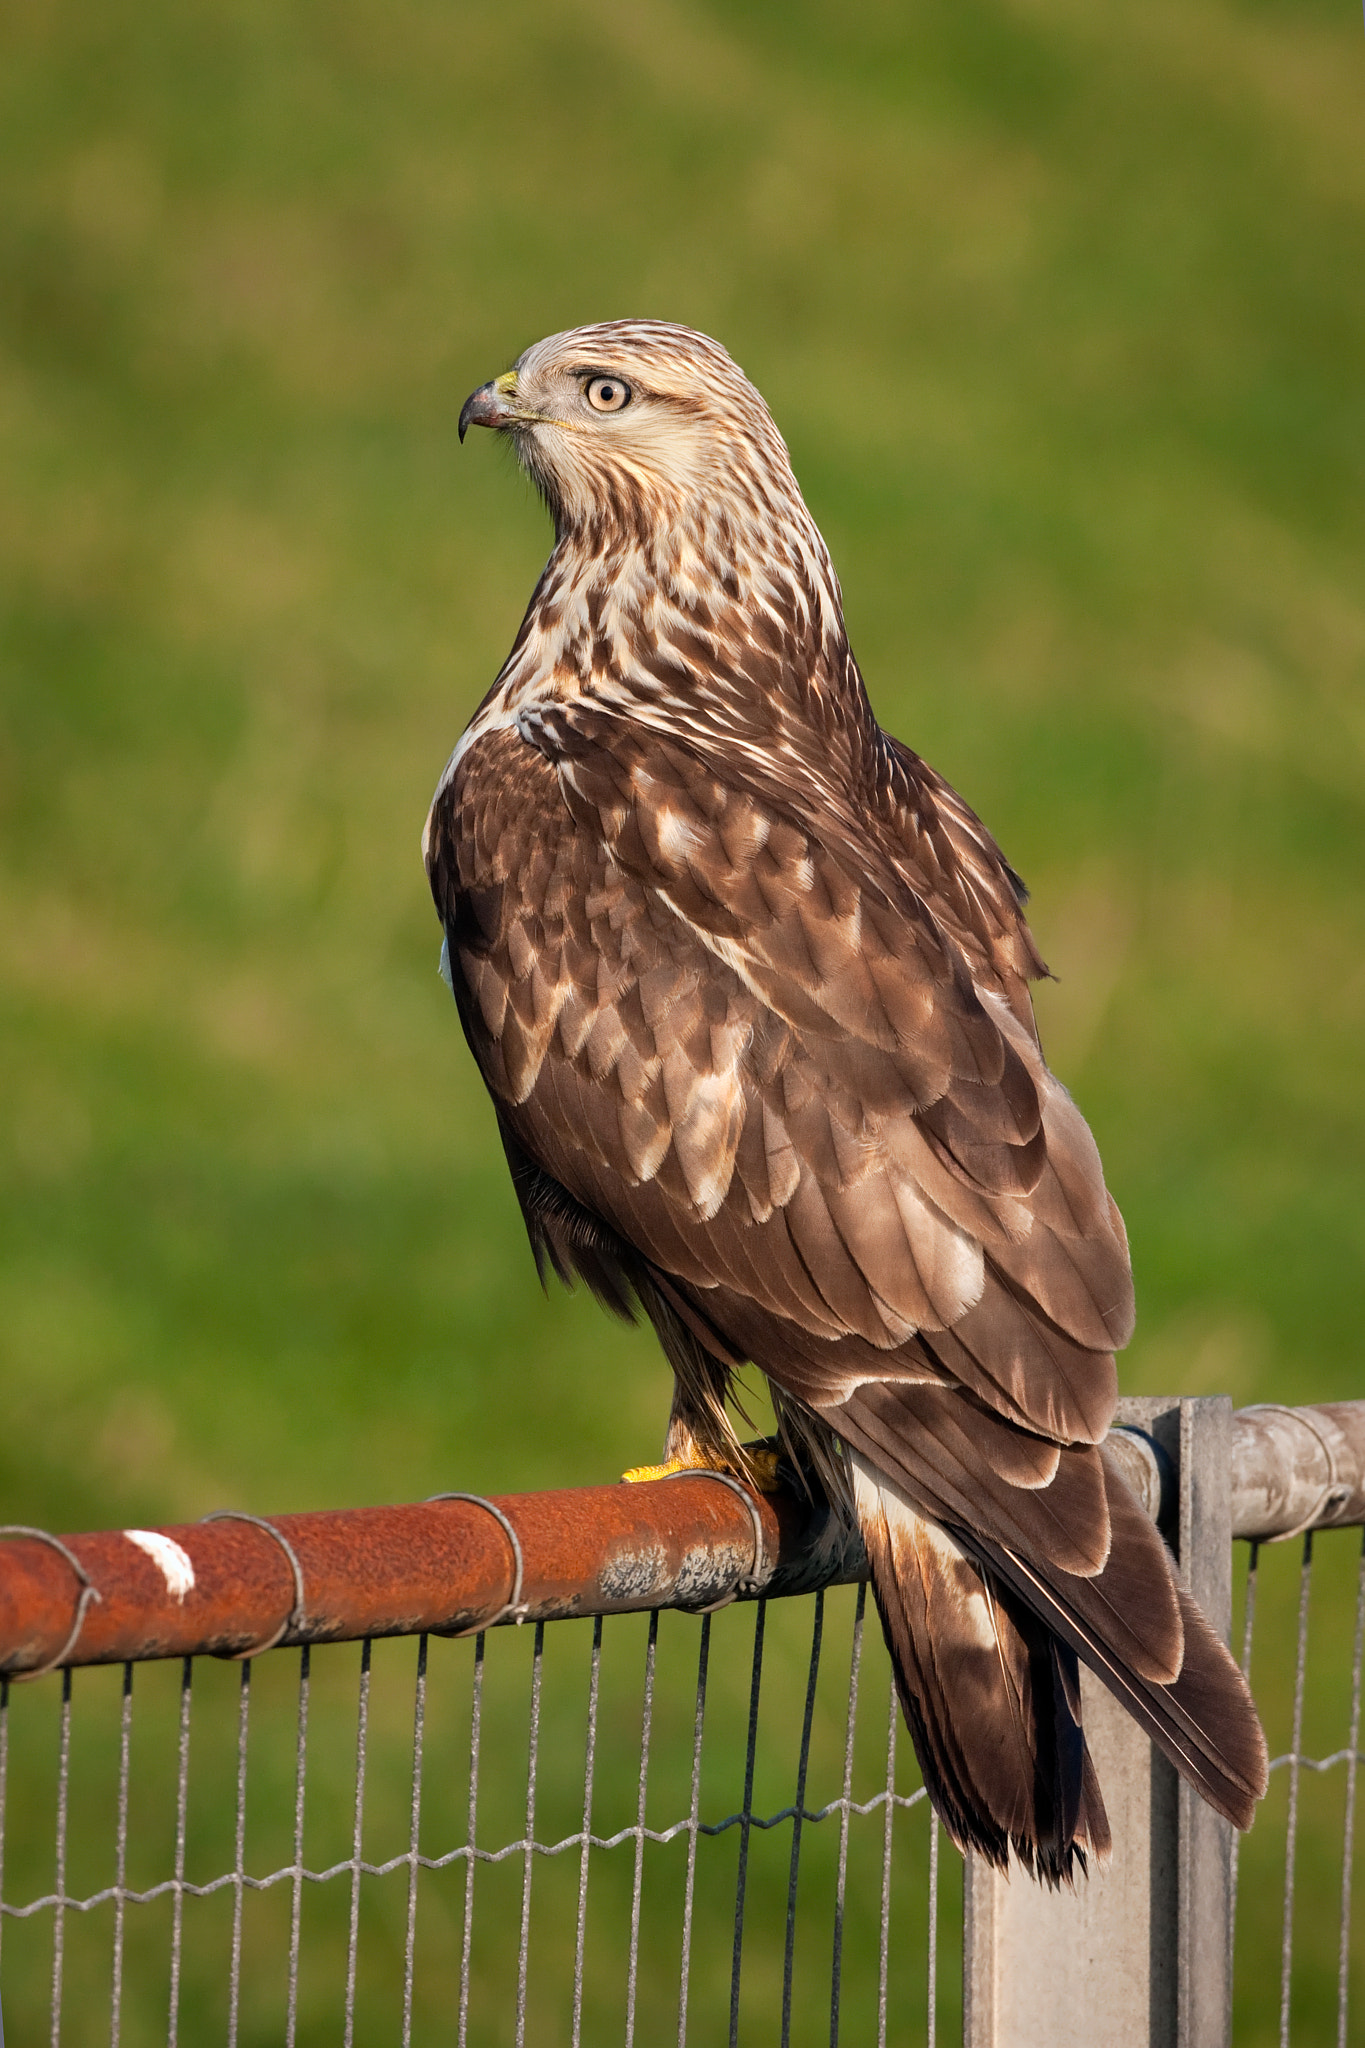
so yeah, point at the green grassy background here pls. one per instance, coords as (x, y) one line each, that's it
(1062, 309)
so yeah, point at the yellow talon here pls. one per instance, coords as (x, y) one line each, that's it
(759, 1468)
(639, 1472)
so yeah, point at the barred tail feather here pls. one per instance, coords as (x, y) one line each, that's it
(991, 1697)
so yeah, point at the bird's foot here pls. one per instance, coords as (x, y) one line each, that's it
(756, 1464)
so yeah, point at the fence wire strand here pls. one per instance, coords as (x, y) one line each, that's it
(357, 1838)
(1349, 1820)
(471, 1833)
(1294, 1761)
(296, 1871)
(931, 2022)
(884, 1943)
(693, 1826)
(803, 1763)
(59, 1907)
(529, 1844)
(638, 1874)
(239, 1857)
(182, 1804)
(4, 1790)
(1248, 1625)
(746, 1819)
(585, 1849)
(419, 1703)
(846, 1807)
(125, 1750)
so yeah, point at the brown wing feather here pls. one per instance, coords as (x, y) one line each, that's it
(782, 1142)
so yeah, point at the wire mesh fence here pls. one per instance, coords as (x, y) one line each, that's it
(1298, 1952)
(639, 1826)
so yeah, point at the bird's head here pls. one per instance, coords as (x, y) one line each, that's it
(634, 424)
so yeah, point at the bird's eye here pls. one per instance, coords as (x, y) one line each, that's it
(607, 394)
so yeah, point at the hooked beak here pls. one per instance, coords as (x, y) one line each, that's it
(492, 405)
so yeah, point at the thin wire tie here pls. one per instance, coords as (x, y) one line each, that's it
(88, 1597)
(515, 1608)
(295, 1618)
(754, 1580)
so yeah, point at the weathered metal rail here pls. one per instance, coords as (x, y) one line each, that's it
(1288, 1469)
(235, 1584)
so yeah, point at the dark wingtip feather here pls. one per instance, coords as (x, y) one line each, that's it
(1212, 1693)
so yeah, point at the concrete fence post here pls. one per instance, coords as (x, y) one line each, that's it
(1140, 1954)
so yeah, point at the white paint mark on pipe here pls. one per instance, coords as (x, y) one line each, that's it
(172, 1562)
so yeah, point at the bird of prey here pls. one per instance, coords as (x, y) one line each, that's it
(748, 984)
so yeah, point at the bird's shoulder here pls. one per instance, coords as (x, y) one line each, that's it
(953, 862)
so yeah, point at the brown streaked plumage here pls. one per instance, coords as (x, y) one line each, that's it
(748, 984)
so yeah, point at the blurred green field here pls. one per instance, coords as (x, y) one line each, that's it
(1062, 310)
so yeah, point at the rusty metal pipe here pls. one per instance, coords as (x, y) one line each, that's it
(230, 1587)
